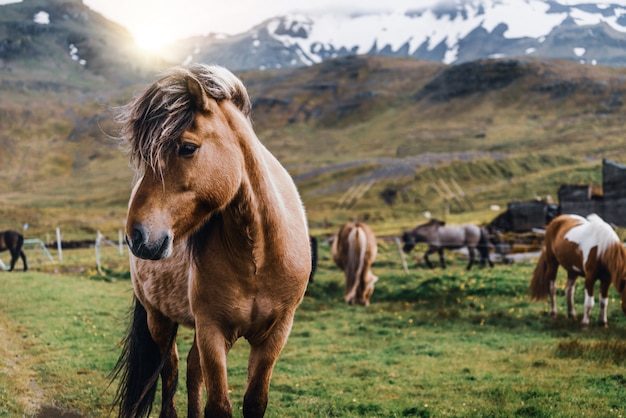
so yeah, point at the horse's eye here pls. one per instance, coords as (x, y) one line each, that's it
(187, 149)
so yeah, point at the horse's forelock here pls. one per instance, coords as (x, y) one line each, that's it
(154, 120)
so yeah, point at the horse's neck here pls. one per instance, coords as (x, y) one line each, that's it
(259, 209)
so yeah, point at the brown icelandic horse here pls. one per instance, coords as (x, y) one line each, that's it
(586, 247)
(13, 241)
(219, 243)
(439, 237)
(354, 250)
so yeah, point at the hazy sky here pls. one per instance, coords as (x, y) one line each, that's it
(156, 22)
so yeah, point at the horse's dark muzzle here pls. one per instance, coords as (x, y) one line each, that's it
(140, 247)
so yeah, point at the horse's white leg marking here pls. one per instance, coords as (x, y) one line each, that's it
(589, 302)
(570, 287)
(604, 304)
(553, 298)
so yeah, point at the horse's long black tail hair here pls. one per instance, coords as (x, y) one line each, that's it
(313, 242)
(138, 367)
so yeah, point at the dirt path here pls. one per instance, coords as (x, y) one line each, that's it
(17, 368)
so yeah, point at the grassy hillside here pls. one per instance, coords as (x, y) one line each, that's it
(366, 137)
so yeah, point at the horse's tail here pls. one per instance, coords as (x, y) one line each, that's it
(138, 367)
(357, 246)
(540, 283)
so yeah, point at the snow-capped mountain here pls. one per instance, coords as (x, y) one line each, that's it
(450, 32)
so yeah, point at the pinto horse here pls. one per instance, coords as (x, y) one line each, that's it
(439, 236)
(584, 247)
(219, 243)
(13, 241)
(354, 250)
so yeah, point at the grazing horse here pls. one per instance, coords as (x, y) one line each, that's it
(354, 250)
(440, 237)
(13, 241)
(584, 247)
(219, 243)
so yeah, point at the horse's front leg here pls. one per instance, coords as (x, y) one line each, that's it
(163, 331)
(589, 301)
(263, 356)
(194, 382)
(570, 288)
(472, 256)
(213, 347)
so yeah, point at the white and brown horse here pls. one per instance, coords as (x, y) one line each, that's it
(583, 247)
(440, 236)
(354, 250)
(219, 243)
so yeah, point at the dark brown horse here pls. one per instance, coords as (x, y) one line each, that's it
(219, 243)
(586, 247)
(13, 241)
(439, 237)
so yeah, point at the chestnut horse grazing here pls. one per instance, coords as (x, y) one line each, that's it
(219, 243)
(584, 247)
(354, 250)
(13, 241)
(439, 237)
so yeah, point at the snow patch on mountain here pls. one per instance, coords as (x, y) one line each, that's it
(424, 28)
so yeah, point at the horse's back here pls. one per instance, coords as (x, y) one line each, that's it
(459, 236)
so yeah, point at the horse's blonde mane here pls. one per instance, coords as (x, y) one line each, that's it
(152, 122)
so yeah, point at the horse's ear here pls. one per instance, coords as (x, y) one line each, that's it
(197, 93)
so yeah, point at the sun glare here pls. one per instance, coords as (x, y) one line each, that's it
(150, 39)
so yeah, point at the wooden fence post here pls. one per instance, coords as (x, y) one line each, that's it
(404, 266)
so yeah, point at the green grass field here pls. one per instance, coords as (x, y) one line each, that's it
(432, 343)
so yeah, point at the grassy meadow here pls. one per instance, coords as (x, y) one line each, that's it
(432, 343)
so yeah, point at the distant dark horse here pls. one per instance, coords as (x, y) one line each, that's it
(440, 237)
(13, 241)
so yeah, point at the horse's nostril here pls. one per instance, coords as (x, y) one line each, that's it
(137, 236)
